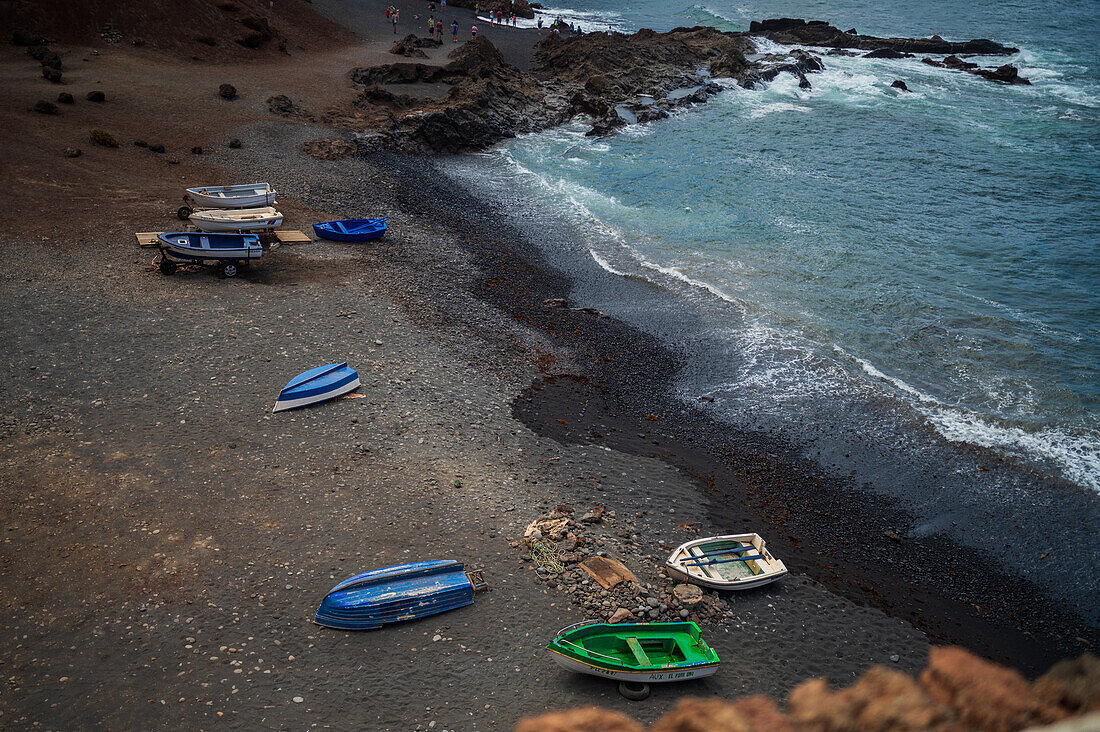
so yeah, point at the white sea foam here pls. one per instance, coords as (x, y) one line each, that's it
(605, 264)
(1077, 456)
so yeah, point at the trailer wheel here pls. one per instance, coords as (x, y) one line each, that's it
(167, 266)
(229, 270)
(183, 213)
(633, 690)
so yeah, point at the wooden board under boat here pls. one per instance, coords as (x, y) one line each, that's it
(727, 562)
(640, 652)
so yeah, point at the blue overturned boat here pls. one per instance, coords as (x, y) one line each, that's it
(353, 230)
(392, 594)
(317, 385)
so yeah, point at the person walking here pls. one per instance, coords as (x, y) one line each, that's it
(540, 25)
(473, 32)
(454, 31)
(394, 19)
(439, 30)
(431, 25)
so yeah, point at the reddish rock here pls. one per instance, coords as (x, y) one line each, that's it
(622, 615)
(882, 700)
(587, 719)
(703, 715)
(1073, 684)
(983, 694)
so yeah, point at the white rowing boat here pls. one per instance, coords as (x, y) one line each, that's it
(247, 195)
(728, 562)
(238, 220)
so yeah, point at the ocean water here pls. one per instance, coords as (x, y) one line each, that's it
(921, 269)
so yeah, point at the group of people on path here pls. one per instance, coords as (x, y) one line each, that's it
(497, 17)
(393, 15)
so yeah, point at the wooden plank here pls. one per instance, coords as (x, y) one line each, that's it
(608, 572)
(639, 655)
(148, 238)
(288, 236)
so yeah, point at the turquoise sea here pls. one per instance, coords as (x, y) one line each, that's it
(918, 270)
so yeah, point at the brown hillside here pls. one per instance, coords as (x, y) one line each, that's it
(206, 29)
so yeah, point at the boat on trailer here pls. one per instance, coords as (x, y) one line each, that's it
(228, 251)
(642, 653)
(245, 195)
(728, 562)
(352, 230)
(238, 220)
(317, 385)
(393, 594)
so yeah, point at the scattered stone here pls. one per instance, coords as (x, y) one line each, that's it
(173, 161)
(227, 91)
(66, 98)
(234, 143)
(895, 657)
(297, 700)
(157, 149)
(96, 96)
(140, 143)
(622, 615)
(688, 594)
(196, 150)
(73, 152)
(899, 84)
(892, 536)
(139, 41)
(328, 149)
(44, 107)
(51, 74)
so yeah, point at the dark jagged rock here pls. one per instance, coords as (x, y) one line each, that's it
(227, 91)
(374, 96)
(899, 84)
(1007, 74)
(96, 96)
(407, 46)
(283, 106)
(887, 53)
(44, 107)
(65, 98)
(157, 149)
(140, 143)
(73, 152)
(234, 143)
(820, 33)
(51, 74)
(22, 37)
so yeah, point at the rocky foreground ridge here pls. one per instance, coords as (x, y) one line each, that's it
(616, 80)
(957, 692)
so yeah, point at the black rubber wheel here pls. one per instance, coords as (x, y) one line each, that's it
(230, 270)
(634, 690)
(167, 266)
(183, 213)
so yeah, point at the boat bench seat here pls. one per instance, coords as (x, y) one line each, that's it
(639, 655)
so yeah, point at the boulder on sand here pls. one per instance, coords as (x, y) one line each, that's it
(44, 107)
(227, 91)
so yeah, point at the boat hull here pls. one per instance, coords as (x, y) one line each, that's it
(244, 196)
(687, 562)
(372, 599)
(190, 246)
(351, 230)
(642, 677)
(317, 385)
(229, 220)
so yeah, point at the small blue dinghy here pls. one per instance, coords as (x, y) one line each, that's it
(353, 230)
(392, 594)
(317, 385)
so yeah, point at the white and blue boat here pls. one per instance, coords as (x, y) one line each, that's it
(317, 385)
(229, 250)
(392, 594)
(351, 230)
(247, 195)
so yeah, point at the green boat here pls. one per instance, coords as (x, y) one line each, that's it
(643, 653)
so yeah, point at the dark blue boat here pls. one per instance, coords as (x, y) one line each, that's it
(354, 230)
(392, 594)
